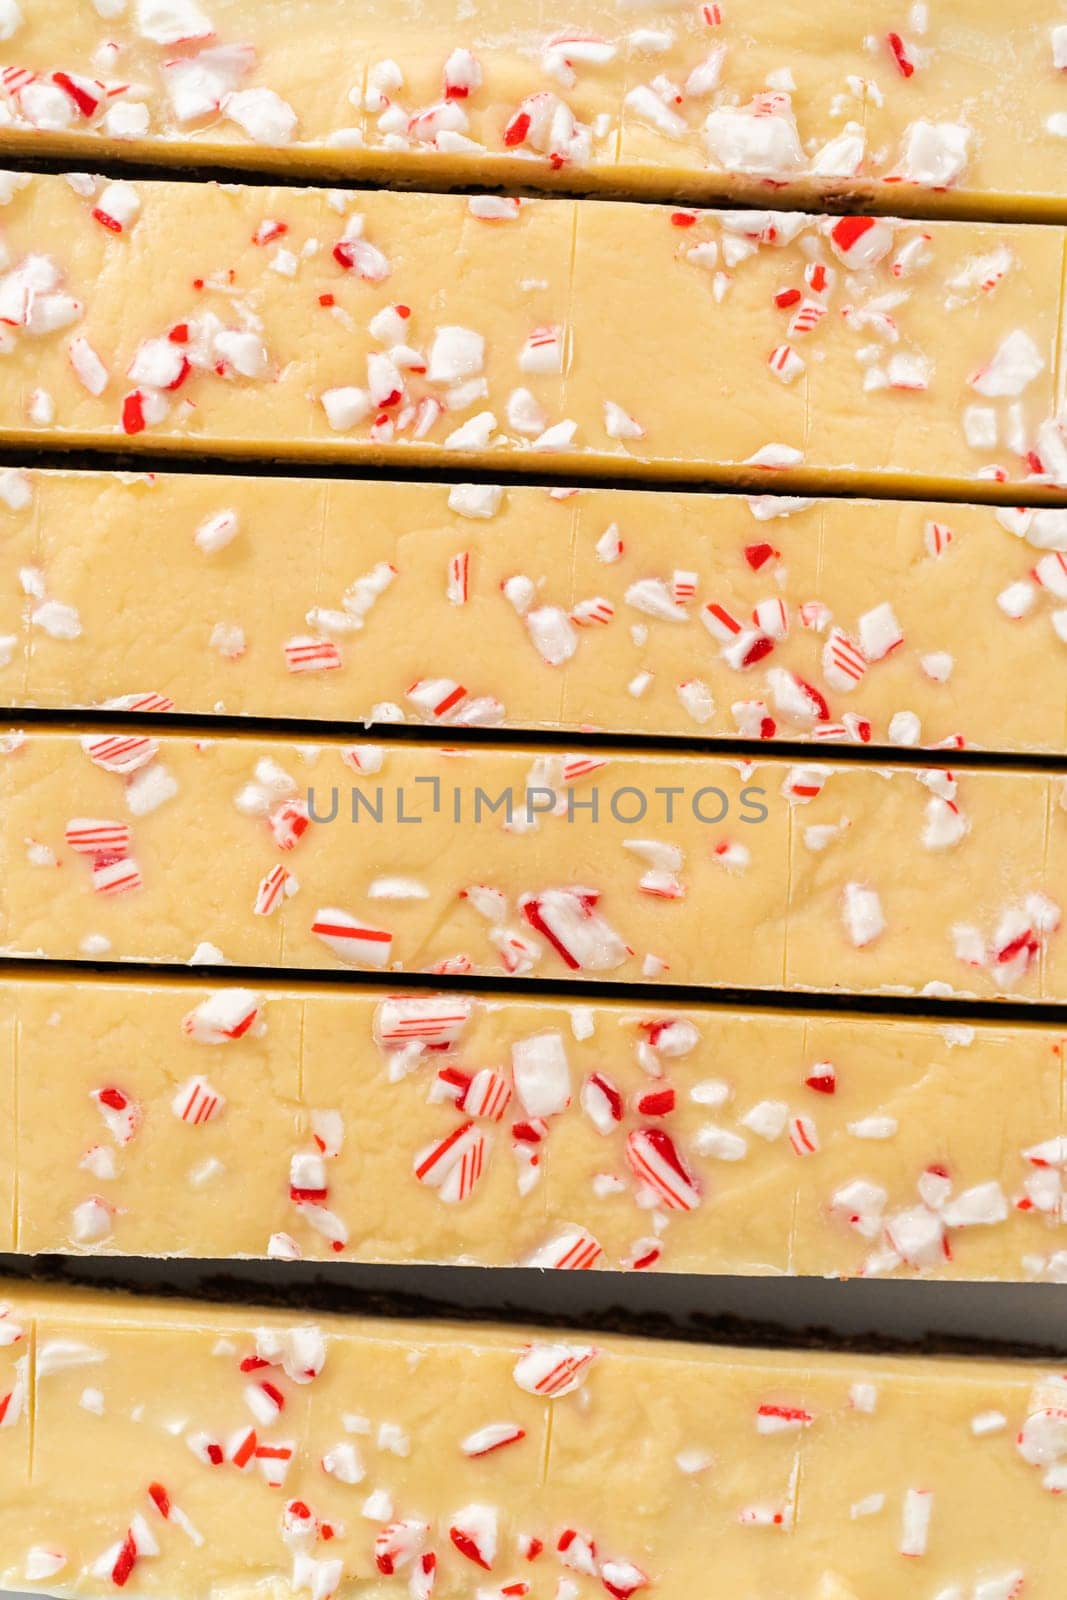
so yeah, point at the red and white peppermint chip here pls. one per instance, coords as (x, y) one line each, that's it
(196, 1102)
(554, 1370)
(657, 1162)
(120, 753)
(436, 1020)
(573, 1250)
(602, 1102)
(861, 241)
(226, 1015)
(357, 944)
(580, 935)
(91, 837)
(494, 1436)
(622, 1579)
(488, 1094)
(453, 1165)
(398, 1544)
(474, 1532)
(121, 1114)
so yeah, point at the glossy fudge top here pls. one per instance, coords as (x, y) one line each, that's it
(769, 617)
(236, 1448)
(407, 857)
(213, 1120)
(556, 335)
(924, 104)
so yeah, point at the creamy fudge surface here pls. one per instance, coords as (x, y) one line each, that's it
(240, 1454)
(558, 336)
(946, 105)
(771, 617)
(674, 869)
(237, 1452)
(214, 1121)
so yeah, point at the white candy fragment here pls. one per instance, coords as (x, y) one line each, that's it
(746, 139)
(170, 22)
(863, 916)
(934, 154)
(542, 1074)
(216, 532)
(1016, 363)
(456, 353)
(345, 407)
(480, 501)
(264, 115)
(88, 367)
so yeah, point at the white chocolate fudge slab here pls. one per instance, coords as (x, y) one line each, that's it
(408, 329)
(171, 1119)
(956, 106)
(629, 611)
(8, 1135)
(237, 1451)
(671, 869)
